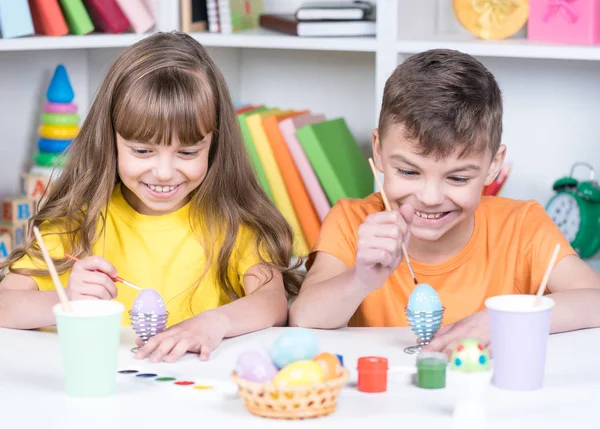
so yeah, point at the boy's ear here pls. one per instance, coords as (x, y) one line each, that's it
(376, 146)
(496, 165)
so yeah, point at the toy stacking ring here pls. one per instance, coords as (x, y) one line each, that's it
(60, 118)
(46, 159)
(58, 132)
(53, 146)
(60, 107)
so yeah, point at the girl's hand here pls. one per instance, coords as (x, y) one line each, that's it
(91, 278)
(475, 326)
(201, 334)
(379, 248)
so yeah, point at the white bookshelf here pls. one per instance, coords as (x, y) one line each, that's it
(551, 92)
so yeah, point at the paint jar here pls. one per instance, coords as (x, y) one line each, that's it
(431, 370)
(372, 374)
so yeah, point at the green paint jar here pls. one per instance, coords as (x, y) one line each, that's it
(431, 370)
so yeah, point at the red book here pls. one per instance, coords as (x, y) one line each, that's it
(48, 18)
(107, 16)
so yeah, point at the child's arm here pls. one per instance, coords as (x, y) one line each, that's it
(23, 306)
(332, 292)
(261, 308)
(575, 288)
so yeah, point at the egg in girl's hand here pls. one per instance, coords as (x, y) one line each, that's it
(293, 345)
(300, 373)
(149, 301)
(254, 366)
(331, 365)
(424, 298)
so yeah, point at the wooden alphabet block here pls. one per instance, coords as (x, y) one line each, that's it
(5, 246)
(17, 209)
(16, 231)
(33, 186)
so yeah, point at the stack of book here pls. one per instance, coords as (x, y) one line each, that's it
(305, 163)
(325, 18)
(20, 18)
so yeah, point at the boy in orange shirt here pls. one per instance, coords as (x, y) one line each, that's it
(438, 143)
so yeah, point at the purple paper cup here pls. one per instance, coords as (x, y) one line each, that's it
(519, 335)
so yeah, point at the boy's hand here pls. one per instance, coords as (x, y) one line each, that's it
(475, 326)
(92, 278)
(200, 334)
(379, 248)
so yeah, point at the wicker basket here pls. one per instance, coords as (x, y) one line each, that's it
(295, 402)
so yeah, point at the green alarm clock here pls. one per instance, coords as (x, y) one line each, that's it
(576, 210)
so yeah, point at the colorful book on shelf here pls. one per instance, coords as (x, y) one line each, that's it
(305, 211)
(239, 15)
(335, 10)
(77, 17)
(258, 168)
(342, 169)
(15, 19)
(290, 25)
(212, 12)
(138, 15)
(107, 16)
(48, 18)
(194, 16)
(288, 129)
(281, 197)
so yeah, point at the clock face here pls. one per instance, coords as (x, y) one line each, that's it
(564, 211)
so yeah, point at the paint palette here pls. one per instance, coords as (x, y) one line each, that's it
(204, 384)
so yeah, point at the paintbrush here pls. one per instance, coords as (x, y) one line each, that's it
(116, 279)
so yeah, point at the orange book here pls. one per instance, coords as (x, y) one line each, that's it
(48, 18)
(305, 211)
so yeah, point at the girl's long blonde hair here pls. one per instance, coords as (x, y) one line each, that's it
(162, 86)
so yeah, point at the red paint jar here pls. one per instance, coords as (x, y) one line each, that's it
(372, 374)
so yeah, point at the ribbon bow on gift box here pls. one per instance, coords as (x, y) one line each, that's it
(564, 7)
(493, 13)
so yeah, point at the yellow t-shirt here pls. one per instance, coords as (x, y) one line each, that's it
(158, 252)
(508, 252)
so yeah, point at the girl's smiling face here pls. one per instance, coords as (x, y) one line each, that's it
(159, 179)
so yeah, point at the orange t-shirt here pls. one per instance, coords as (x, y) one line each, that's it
(508, 252)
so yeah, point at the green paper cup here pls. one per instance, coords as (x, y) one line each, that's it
(89, 342)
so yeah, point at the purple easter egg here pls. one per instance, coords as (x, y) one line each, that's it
(149, 301)
(254, 366)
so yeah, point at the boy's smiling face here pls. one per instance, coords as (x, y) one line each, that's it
(444, 192)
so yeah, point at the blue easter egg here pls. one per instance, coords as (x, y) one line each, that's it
(293, 345)
(424, 298)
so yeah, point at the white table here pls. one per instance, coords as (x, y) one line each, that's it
(32, 396)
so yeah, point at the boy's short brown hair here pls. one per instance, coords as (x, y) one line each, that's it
(446, 101)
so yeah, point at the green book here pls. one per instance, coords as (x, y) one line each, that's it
(258, 168)
(338, 162)
(77, 17)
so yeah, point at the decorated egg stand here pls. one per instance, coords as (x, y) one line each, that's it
(292, 380)
(470, 373)
(59, 123)
(424, 313)
(148, 315)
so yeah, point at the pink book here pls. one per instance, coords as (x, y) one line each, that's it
(137, 14)
(288, 129)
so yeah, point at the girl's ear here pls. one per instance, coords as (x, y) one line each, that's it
(496, 165)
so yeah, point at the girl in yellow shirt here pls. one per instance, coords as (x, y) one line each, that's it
(158, 182)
